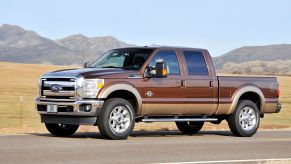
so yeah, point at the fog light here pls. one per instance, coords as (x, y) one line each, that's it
(85, 108)
(88, 108)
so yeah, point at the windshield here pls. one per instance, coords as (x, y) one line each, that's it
(132, 58)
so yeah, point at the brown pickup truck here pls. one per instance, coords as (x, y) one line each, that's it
(153, 84)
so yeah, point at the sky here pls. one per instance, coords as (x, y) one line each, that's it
(217, 25)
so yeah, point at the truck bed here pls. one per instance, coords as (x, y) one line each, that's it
(230, 85)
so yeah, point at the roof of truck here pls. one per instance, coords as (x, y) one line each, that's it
(162, 47)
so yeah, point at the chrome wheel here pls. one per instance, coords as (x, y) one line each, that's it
(119, 119)
(248, 118)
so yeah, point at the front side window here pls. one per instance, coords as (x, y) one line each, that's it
(131, 58)
(196, 64)
(171, 60)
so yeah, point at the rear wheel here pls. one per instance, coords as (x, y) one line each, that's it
(189, 127)
(61, 129)
(116, 120)
(245, 120)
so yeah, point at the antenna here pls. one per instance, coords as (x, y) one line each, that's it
(83, 55)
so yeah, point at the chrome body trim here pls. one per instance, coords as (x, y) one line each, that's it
(61, 76)
(62, 83)
(135, 76)
(57, 100)
(60, 93)
(73, 94)
(178, 119)
(96, 106)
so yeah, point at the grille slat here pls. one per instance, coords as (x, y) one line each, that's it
(61, 93)
(62, 83)
(64, 88)
(67, 88)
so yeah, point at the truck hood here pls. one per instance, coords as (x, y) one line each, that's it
(90, 72)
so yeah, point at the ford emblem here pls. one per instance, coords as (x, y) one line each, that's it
(56, 88)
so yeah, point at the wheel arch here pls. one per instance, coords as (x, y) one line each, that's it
(248, 92)
(122, 89)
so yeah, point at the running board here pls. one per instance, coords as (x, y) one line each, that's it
(178, 119)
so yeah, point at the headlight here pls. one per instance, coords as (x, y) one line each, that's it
(89, 88)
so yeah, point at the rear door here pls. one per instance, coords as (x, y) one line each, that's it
(200, 82)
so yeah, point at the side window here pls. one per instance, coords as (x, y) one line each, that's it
(196, 64)
(171, 60)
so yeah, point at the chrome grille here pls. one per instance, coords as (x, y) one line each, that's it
(68, 88)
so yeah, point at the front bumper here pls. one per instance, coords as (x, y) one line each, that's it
(70, 108)
(70, 120)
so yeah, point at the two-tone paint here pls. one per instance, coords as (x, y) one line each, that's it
(191, 95)
(182, 94)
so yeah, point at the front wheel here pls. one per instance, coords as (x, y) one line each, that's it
(116, 120)
(62, 130)
(189, 127)
(245, 120)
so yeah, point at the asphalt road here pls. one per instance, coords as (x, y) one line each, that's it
(144, 147)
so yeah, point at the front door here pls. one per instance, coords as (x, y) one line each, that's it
(162, 96)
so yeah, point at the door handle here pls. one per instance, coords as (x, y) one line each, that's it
(211, 84)
(181, 82)
(178, 82)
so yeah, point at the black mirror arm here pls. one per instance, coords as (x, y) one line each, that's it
(147, 72)
(86, 65)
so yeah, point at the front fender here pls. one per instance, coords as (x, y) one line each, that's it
(110, 88)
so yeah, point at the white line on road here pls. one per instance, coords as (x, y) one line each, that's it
(21, 134)
(231, 161)
(276, 130)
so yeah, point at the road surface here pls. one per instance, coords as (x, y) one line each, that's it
(145, 147)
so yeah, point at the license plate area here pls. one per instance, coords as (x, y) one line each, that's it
(52, 108)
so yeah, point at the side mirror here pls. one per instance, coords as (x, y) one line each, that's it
(86, 65)
(160, 70)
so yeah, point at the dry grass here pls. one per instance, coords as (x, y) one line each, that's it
(280, 67)
(275, 162)
(284, 117)
(19, 81)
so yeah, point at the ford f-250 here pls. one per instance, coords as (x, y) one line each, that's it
(153, 84)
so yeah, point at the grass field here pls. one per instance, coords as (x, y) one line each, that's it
(18, 85)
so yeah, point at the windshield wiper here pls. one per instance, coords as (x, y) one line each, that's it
(111, 67)
(120, 67)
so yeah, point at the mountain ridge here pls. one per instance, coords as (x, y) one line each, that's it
(254, 53)
(24, 46)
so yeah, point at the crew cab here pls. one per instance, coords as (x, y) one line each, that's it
(153, 84)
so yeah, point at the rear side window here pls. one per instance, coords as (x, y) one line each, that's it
(170, 58)
(196, 64)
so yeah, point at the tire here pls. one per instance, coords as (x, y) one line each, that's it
(61, 130)
(190, 127)
(116, 120)
(245, 120)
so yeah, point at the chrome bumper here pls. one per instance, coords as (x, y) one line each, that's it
(96, 106)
